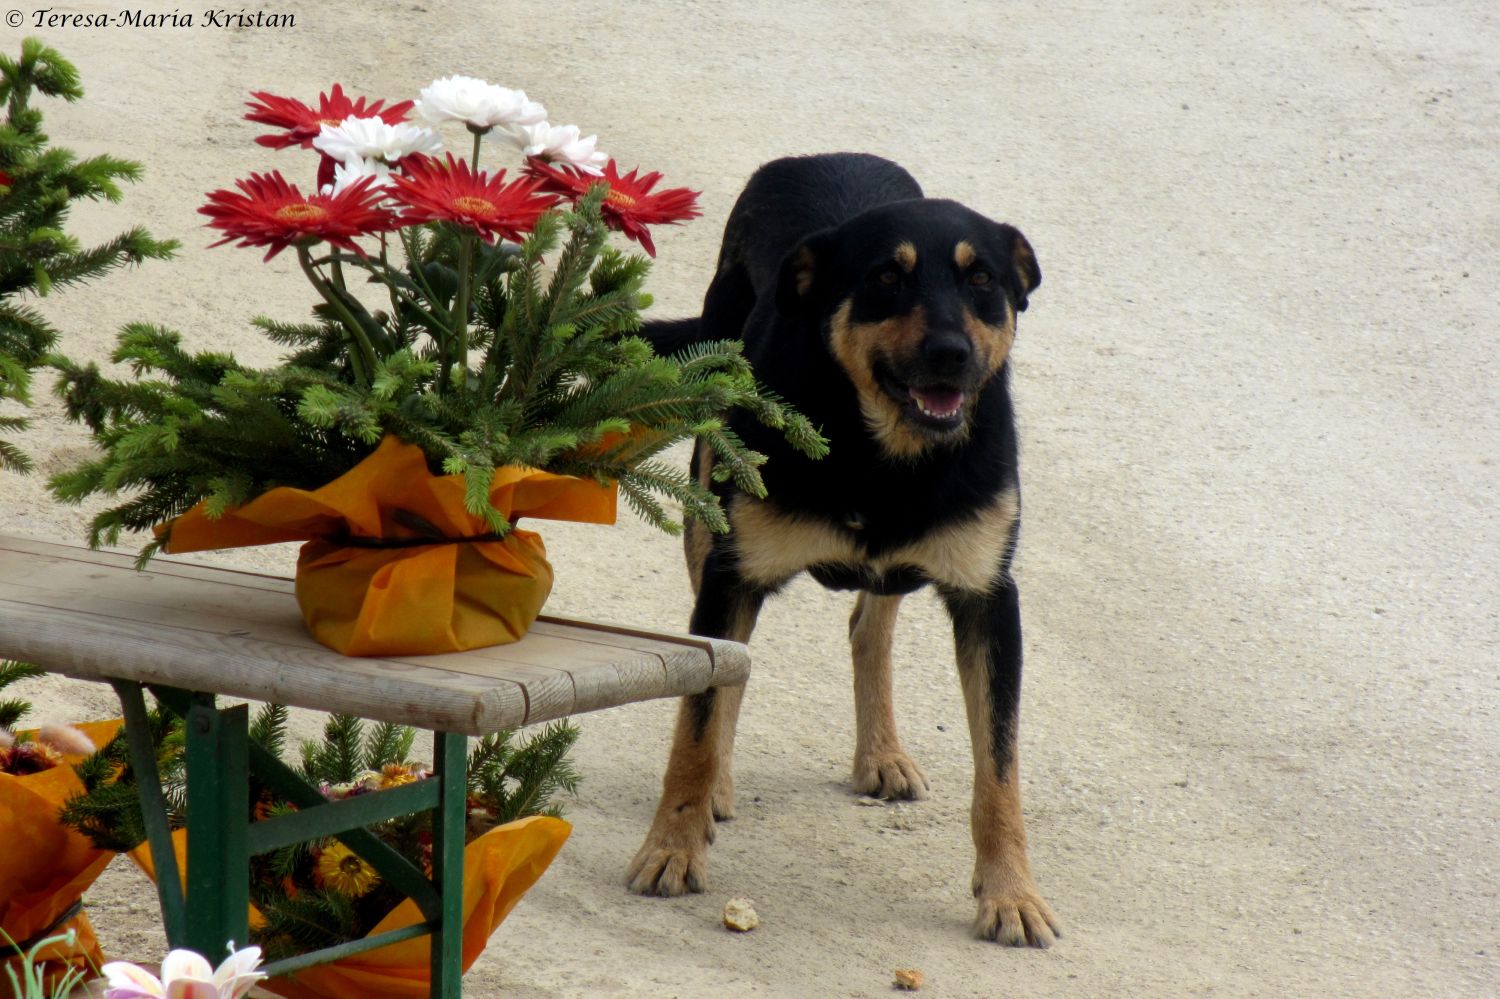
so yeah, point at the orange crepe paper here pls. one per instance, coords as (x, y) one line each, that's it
(46, 867)
(499, 867)
(418, 600)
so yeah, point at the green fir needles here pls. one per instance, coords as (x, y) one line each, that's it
(38, 187)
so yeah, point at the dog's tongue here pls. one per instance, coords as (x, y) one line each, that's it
(938, 401)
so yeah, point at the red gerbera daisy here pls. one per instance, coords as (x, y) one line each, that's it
(270, 212)
(630, 204)
(302, 123)
(449, 191)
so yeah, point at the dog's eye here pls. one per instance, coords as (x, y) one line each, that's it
(979, 279)
(889, 277)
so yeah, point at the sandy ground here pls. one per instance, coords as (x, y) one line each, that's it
(1257, 393)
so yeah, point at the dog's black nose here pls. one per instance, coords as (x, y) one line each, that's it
(946, 353)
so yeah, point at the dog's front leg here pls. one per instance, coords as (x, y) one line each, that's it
(987, 634)
(698, 786)
(882, 769)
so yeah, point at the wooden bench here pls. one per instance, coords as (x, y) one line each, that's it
(190, 632)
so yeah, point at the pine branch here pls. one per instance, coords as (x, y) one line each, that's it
(336, 760)
(269, 727)
(388, 743)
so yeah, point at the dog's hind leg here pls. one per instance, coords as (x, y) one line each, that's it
(882, 769)
(674, 857)
(987, 633)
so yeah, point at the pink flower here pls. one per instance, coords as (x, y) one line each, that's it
(186, 975)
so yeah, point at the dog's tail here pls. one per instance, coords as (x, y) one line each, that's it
(669, 336)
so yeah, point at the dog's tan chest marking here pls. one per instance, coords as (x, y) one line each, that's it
(774, 545)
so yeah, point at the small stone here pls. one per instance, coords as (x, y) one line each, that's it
(908, 979)
(739, 915)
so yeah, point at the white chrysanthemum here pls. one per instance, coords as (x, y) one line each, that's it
(478, 104)
(355, 169)
(561, 144)
(373, 139)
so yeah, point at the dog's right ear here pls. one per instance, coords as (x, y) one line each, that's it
(803, 272)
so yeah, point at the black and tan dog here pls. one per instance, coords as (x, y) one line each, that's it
(887, 319)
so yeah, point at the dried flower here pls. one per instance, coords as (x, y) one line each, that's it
(342, 870)
(66, 740)
(25, 758)
(397, 774)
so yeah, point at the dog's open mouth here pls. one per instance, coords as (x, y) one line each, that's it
(937, 407)
(938, 402)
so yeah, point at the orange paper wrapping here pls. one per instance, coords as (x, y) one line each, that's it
(419, 600)
(45, 867)
(499, 867)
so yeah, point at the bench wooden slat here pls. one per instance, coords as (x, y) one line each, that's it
(92, 615)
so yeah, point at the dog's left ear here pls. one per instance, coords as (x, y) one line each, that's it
(803, 271)
(1025, 272)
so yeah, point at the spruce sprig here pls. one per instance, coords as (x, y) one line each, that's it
(13, 709)
(37, 254)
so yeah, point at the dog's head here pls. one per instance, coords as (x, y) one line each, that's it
(918, 302)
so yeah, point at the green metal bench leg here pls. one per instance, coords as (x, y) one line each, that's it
(218, 807)
(153, 810)
(450, 760)
(217, 899)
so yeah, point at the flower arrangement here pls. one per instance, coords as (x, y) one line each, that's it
(38, 185)
(480, 317)
(44, 933)
(319, 894)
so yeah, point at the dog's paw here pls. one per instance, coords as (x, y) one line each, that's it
(674, 858)
(890, 774)
(1019, 918)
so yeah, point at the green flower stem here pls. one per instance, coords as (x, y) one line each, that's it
(458, 348)
(460, 343)
(362, 358)
(400, 298)
(384, 270)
